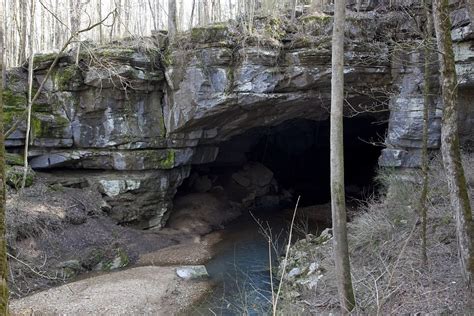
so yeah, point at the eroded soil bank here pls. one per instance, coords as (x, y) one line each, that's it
(59, 235)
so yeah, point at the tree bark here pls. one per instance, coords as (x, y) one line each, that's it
(24, 13)
(341, 251)
(450, 141)
(172, 19)
(99, 13)
(30, 92)
(3, 243)
(180, 23)
(426, 114)
(192, 15)
(293, 10)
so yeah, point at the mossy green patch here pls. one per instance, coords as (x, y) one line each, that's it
(40, 60)
(36, 127)
(14, 176)
(162, 126)
(64, 76)
(48, 126)
(315, 18)
(115, 52)
(13, 101)
(275, 29)
(169, 160)
(14, 105)
(14, 159)
(166, 58)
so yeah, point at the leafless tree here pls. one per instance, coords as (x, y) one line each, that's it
(338, 204)
(450, 141)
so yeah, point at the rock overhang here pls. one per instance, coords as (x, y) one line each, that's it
(154, 113)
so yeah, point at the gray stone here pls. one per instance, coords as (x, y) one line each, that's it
(295, 272)
(192, 272)
(141, 125)
(240, 179)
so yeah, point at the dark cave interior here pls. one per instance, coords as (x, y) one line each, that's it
(297, 152)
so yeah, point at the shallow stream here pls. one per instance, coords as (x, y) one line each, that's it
(241, 268)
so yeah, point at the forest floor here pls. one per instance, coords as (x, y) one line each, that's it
(58, 235)
(388, 274)
(149, 290)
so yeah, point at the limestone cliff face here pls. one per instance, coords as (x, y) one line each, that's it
(132, 120)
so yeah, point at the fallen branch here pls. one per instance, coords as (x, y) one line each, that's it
(32, 269)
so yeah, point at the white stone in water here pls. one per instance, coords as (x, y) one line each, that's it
(192, 272)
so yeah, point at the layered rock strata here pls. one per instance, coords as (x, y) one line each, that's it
(132, 119)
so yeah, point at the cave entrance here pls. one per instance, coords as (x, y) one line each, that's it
(257, 177)
(269, 167)
(297, 152)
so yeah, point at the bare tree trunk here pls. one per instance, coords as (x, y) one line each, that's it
(192, 15)
(158, 13)
(153, 15)
(205, 11)
(30, 92)
(181, 16)
(338, 205)
(293, 10)
(3, 243)
(24, 13)
(42, 43)
(99, 12)
(199, 12)
(74, 16)
(426, 116)
(450, 141)
(171, 18)
(127, 18)
(118, 26)
(57, 31)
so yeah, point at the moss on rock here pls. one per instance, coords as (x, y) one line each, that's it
(48, 126)
(169, 160)
(14, 176)
(66, 76)
(14, 159)
(13, 101)
(209, 34)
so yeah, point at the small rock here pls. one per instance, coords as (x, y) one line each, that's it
(313, 267)
(294, 272)
(192, 272)
(240, 179)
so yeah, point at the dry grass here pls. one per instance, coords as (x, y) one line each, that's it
(385, 246)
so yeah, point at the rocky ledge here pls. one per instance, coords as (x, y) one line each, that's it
(132, 118)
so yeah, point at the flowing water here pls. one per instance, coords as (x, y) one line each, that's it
(241, 266)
